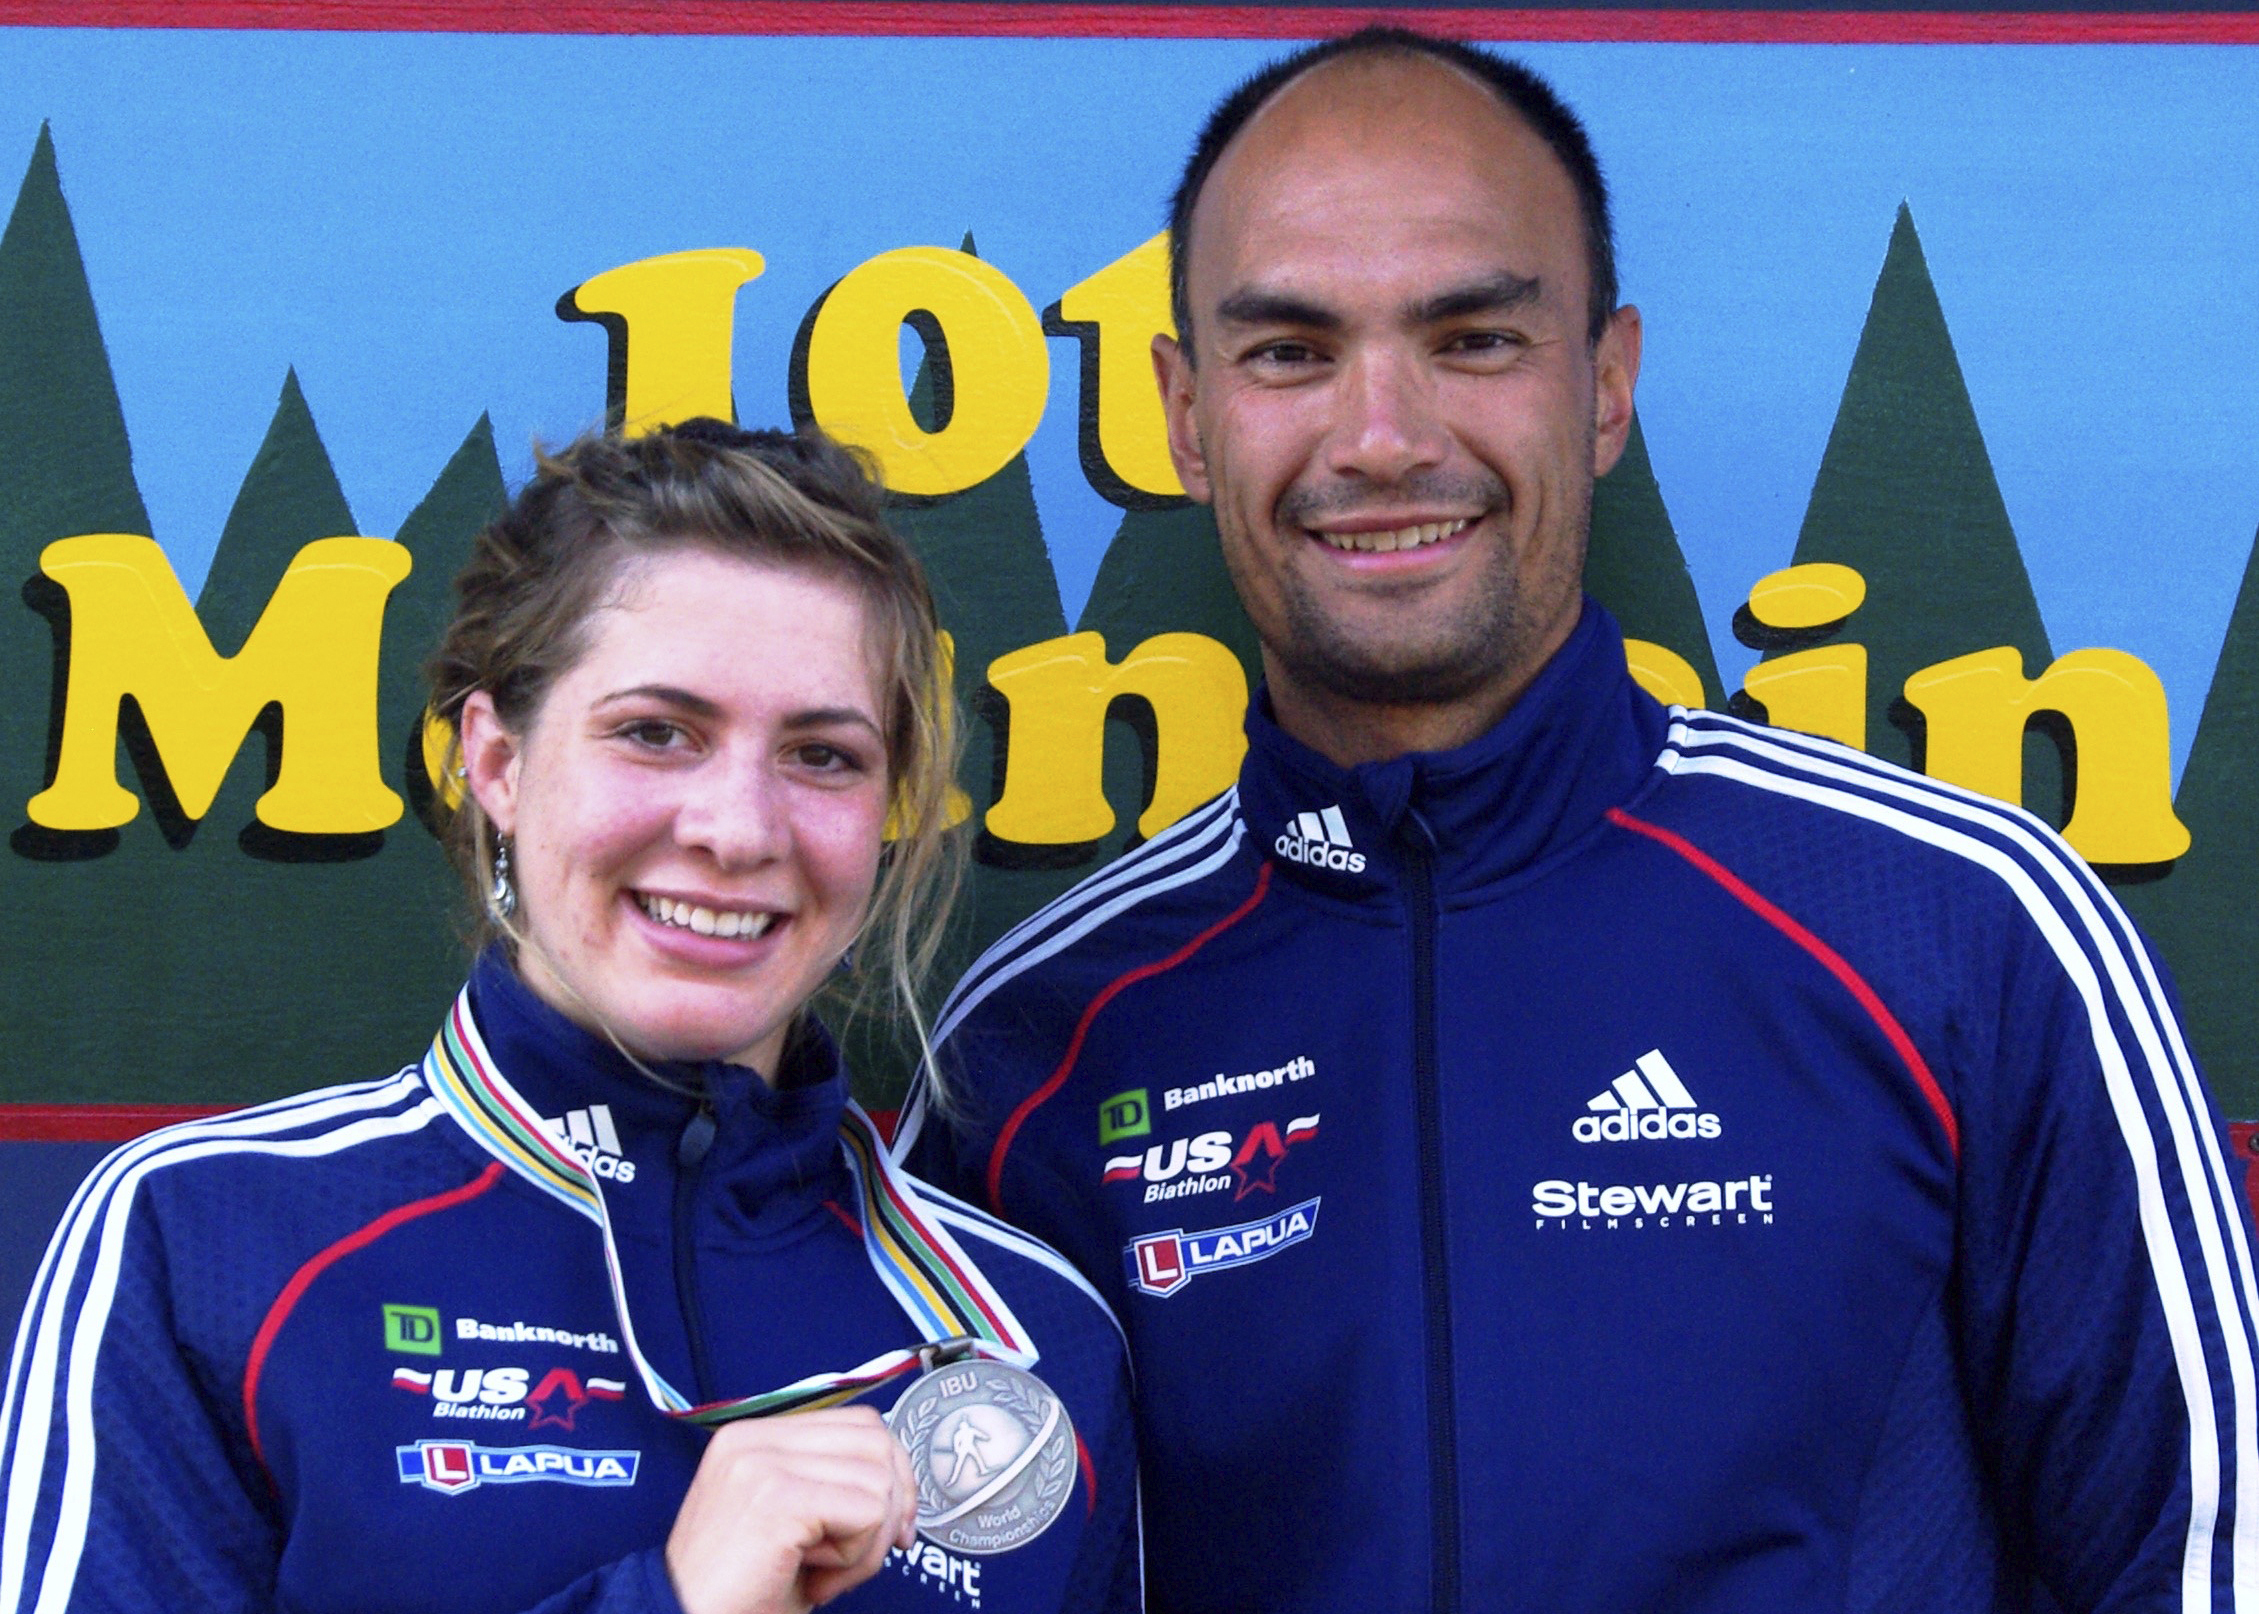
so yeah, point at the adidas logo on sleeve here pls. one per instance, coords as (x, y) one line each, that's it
(1321, 839)
(1647, 1101)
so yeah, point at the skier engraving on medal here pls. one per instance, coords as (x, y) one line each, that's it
(993, 1451)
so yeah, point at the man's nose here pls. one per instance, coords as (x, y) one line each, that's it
(1386, 422)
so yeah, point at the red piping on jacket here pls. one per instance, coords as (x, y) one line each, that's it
(1112, 990)
(303, 1279)
(1830, 960)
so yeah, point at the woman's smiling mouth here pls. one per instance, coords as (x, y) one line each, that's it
(729, 924)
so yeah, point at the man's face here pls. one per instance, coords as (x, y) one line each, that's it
(1396, 410)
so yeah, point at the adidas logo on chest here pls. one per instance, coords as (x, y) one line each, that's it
(1321, 840)
(590, 1134)
(1647, 1101)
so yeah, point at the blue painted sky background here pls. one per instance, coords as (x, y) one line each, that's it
(395, 216)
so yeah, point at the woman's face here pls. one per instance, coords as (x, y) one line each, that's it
(696, 809)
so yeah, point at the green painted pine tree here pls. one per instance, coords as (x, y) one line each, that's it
(2204, 915)
(1635, 568)
(65, 469)
(1906, 495)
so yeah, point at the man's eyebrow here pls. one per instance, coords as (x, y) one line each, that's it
(1254, 306)
(1498, 294)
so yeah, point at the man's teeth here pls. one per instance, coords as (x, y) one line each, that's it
(706, 921)
(1400, 538)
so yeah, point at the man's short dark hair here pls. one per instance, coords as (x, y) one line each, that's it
(1521, 90)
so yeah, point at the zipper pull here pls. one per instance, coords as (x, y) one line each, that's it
(1413, 831)
(696, 1139)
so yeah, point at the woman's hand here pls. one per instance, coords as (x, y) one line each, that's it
(786, 1513)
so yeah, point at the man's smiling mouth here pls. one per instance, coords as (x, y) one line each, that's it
(1396, 538)
(705, 921)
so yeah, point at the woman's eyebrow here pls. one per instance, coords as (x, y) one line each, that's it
(817, 717)
(698, 705)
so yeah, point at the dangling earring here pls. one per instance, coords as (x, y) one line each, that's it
(504, 896)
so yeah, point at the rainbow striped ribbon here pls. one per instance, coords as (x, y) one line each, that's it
(948, 1299)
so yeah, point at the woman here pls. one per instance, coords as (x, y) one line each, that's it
(568, 1316)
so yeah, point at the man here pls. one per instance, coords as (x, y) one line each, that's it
(1549, 1153)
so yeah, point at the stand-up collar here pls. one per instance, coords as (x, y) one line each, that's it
(1580, 740)
(771, 1146)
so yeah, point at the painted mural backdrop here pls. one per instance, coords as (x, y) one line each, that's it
(1945, 449)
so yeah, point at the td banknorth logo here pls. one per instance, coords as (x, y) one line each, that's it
(1320, 839)
(590, 1135)
(1647, 1101)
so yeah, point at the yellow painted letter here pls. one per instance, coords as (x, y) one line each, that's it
(1821, 692)
(980, 333)
(313, 650)
(670, 319)
(1976, 707)
(1663, 673)
(1116, 313)
(1058, 691)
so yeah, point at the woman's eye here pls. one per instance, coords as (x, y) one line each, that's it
(822, 757)
(653, 734)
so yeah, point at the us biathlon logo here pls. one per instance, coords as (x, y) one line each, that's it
(1647, 1101)
(1196, 1165)
(508, 1394)
(453, 1466)
(590, 1135)
(1163, 1263)
(1321, 839)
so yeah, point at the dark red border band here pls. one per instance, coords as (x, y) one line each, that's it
(94, 1123)
(979, 18)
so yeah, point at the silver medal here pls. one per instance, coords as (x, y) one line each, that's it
(993, 1451)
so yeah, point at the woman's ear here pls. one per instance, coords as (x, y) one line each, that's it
(490, 761)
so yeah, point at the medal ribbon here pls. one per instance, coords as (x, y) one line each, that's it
(948, 1299)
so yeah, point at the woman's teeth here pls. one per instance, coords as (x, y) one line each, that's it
(705, 921)
(1399, 538)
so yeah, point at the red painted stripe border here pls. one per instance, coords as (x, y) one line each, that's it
(95, 1123)
(303, 1279)
(1020, 19)
(1831, 960)
(1107, 994)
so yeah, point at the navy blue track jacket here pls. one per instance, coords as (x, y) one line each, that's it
(331, 1355)
(1639, 1161)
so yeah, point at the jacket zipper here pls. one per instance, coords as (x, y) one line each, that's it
(1443, 1414)
(690, 1158)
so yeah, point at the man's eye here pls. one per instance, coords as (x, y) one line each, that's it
(1284, 356)
(1485, 344)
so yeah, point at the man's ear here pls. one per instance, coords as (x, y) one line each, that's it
(1173, 373)
(1615, 372)
(490, 761)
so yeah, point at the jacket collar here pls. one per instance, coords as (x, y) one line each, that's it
(767, 1141)
(1580, 740)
